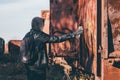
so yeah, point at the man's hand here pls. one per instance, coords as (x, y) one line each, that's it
(78, 32)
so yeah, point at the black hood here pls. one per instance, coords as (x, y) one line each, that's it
(37, 23)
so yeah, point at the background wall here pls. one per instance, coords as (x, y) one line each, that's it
(65, 17)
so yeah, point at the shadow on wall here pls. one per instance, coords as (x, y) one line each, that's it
(110, 38)
(86, 60)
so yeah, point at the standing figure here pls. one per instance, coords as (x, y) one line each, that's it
(33, 49)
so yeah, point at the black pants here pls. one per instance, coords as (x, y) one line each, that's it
(36, 73)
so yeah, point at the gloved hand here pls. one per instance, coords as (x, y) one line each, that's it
(78, 32)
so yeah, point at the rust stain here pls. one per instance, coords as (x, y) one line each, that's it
(87, 15)
(64, 20)
(114, 14)
(46, 15)
(111, 72)
(65, 17)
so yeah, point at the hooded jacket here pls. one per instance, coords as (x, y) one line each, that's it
(33, 46)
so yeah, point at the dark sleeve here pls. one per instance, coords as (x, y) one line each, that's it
(52, 39)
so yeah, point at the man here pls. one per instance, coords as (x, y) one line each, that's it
(33, 49)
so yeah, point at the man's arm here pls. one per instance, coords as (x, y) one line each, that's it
(43, 37)
(56, 39)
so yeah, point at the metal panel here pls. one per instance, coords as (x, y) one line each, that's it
(65, 17)
(111, 65)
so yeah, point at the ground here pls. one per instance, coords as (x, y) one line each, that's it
(12, 69)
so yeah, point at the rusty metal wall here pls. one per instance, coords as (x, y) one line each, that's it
(88, 17)
(111, 66)
(65, 17)
(114, 15)
(45, 14)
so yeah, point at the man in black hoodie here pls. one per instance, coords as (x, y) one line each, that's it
(33, 49)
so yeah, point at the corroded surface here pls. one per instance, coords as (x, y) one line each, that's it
(111, 72)
(87, 17)
(111, 67)
(114, 14)
(65, 17)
